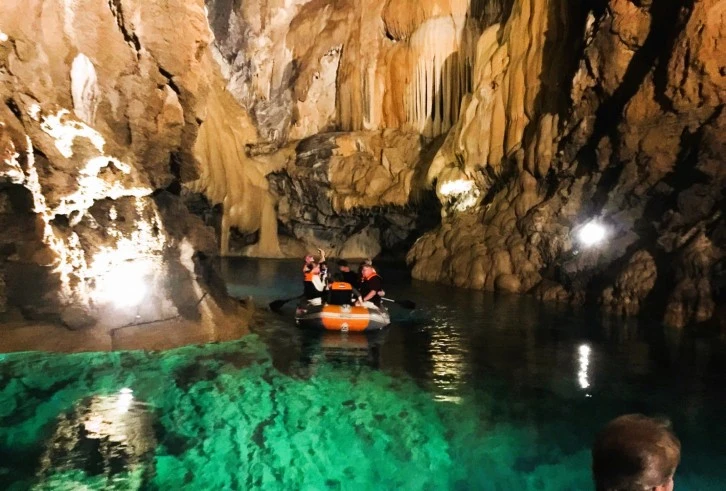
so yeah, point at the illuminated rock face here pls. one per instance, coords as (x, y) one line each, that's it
(636, 148)
(325, 196)
(528, 120)
(100, 109)
(308, 67)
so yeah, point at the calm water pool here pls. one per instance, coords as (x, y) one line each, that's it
(469, 391)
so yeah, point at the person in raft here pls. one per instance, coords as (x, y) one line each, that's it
(371, 287)
(314, 278)
(346, 275)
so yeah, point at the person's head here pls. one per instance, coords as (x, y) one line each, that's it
(309, 259)
(343, 265)
(367, 270)
(635, 453)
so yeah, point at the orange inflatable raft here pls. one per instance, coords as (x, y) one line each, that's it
(341, 317)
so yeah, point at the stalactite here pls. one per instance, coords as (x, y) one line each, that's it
(503, 119)
(413, 78)
(435, 49)
(228, 176)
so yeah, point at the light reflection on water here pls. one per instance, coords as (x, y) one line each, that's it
(108, 436)
(559, 372)
(582, 375)
(479, 391)
(449, 365)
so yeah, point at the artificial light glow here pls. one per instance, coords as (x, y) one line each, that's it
(582, 377)
(119, 271)
(92, 186)
(124, 400)
(15, 173)
(460, 186)
(462, 191)
(65, 130)
(591, 234)
(123, 270)
(123, 285)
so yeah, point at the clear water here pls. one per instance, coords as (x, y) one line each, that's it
(469, 391)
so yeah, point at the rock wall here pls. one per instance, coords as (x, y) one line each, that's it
(100, 108)
(637, 150)
(350, 193)
(539, 125)
(556, 119)
(309, 68)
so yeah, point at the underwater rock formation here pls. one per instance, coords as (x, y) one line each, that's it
(99, 112)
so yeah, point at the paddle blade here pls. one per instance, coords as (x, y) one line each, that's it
(406, 304)
(276, 305)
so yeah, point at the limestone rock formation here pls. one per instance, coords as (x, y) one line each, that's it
(315, 124)
(637, 155)
(348, 192)
(557, 118)
(231, 177)
(100, 108)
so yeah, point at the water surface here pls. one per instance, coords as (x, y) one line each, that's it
(469, 391)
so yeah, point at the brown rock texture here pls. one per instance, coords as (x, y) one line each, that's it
(640, 152)
(325, 194)
(531, 123)
(555, 117)
(100, 109)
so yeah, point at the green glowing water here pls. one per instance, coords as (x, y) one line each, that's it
(222, 417)
(471, 392)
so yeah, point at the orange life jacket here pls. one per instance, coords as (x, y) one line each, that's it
(371, 273)
(308, 272)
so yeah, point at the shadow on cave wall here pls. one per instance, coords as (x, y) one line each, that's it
(669, 18)
(693, 199)
(655, 51)
(26, 285)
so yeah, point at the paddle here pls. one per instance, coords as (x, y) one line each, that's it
(276, 305)
(406, 304)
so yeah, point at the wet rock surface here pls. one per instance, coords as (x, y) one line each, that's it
(637, 154)
(349, 193)
(100, 108)
(319, 125)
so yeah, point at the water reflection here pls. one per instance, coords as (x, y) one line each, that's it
(527, 362)
(108, 439)
(449, 365)
(582, 377)
(342, 347)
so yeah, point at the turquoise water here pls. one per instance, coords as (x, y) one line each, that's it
(470, 391)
